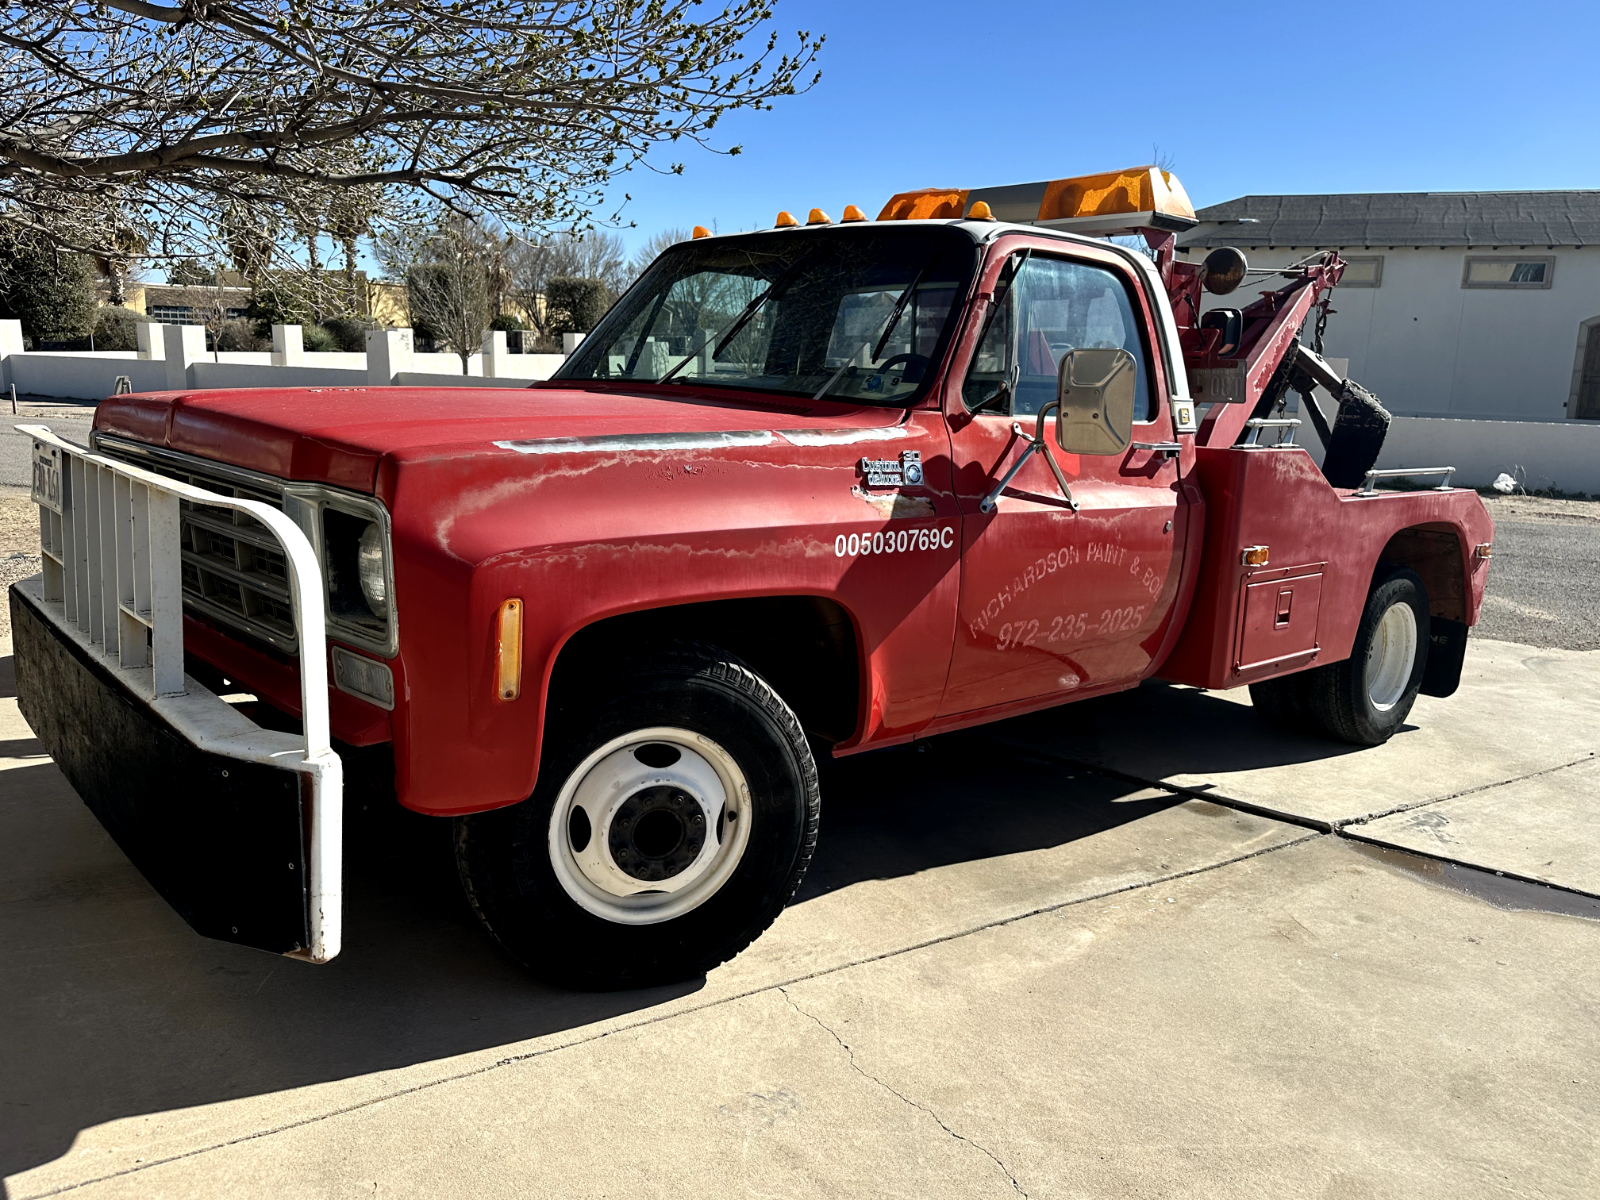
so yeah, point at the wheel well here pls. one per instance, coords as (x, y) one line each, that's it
(804, 646)
(1433, 552)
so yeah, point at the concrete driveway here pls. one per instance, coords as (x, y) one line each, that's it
(1142, 946)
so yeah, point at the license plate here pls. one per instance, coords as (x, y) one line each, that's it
(47, 476)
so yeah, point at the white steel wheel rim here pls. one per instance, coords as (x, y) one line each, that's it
(1391, 656)
(609, 787)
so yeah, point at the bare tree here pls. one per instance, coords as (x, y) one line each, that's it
(529, 267)
(137, 122)
(450, 282)
(654, 247)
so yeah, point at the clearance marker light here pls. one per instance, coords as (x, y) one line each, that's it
(1254, 556)
(701, 231)
(818, 217)
(508, 650)
(852, 213)
(1483, 550)
(980, 211)
(785, 220)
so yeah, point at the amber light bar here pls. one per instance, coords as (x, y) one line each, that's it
(508, 650)
(1098, 205)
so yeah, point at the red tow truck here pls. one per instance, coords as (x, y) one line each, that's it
(819, 489)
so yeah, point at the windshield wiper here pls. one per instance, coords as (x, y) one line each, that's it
(894, 319)
(731, 330)
(899, 309)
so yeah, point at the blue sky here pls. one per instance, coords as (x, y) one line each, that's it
(1350, 96)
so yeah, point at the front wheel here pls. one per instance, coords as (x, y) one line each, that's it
(1365, 699)
(675, 814)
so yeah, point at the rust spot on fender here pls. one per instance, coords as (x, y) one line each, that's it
(896, 506)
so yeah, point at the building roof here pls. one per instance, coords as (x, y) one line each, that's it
(1402, 219)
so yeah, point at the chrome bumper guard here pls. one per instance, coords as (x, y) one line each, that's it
(240, 828)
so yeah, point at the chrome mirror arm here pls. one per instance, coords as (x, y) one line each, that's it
(1036, 442)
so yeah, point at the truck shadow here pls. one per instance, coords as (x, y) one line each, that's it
(114, 1008)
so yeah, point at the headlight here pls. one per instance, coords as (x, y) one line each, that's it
(370, 569)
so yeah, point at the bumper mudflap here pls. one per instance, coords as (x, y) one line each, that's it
(235, 826)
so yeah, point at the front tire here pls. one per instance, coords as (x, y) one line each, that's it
(675, 815)
(1365, 699)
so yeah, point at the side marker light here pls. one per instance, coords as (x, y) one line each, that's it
(785, 220)
(701, 231)
(1254, 556)
(852, 213)
(508, 650)
(980, 211)
(818, 217)
(1483, 550)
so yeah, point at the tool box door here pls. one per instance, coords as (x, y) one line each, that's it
(1278, 620)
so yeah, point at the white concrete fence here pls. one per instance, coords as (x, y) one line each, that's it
(171, 357)
(1539, 454)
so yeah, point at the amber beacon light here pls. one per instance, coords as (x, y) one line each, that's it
(508, 650)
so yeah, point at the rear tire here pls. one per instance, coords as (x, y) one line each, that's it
(675, 814)
(1365, 699)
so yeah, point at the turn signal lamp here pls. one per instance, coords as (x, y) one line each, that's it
(508, 650)
(852, 213)
(1254, 556)
(1098, 205)
(818, 217)
(701, 231)
(785, 219)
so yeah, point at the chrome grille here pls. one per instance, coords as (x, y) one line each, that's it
(234, 571)
(233, 568)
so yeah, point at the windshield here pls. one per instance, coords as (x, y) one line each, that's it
(853, 314)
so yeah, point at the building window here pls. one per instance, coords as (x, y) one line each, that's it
(1362, 271)
(1508, 272)
(173, 314)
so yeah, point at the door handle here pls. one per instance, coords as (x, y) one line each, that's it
(1168, 449)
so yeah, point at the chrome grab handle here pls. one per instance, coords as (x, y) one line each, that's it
(1170, 449)
(1255, 425)
(1368, 488)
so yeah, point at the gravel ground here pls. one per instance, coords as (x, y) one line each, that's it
(1544, 580)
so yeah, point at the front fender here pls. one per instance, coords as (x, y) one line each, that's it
(591, 532)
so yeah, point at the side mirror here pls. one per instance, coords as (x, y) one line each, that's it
(1096, 393)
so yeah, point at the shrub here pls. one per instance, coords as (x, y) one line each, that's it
(240, 334)
(116, 328)
(349, 333)
(506, 323)
(575, 305)
(317, 340)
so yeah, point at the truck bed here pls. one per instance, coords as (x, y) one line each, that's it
(1301, 608)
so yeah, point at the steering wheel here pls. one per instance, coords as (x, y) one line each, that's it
(921, 360)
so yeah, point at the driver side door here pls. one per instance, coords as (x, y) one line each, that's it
(1056, 602)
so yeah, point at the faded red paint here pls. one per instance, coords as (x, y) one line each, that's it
(968, 617)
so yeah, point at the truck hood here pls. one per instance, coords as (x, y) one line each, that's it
(339, 436)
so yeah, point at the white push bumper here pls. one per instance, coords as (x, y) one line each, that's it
(240, 828)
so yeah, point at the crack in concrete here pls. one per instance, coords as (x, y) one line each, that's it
(587, 1039)
(1337, 827)
(901, 1096)
(1472, 791)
